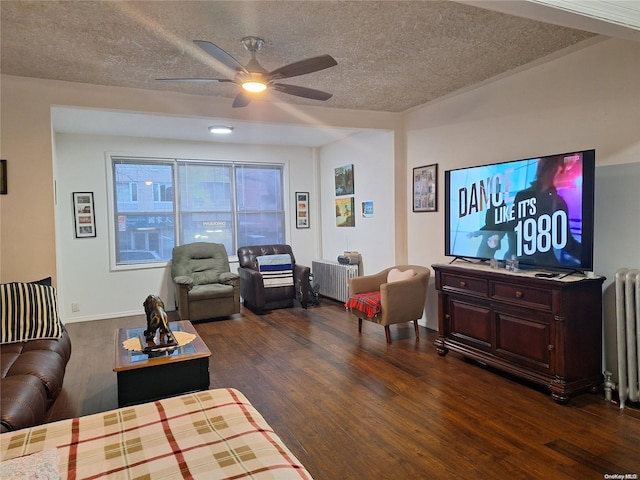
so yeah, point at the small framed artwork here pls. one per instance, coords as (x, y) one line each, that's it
(367, 209)
(345, 215)
(302, 209)
(344, 180)
(3, 177)
(425, 188)
(84, 215)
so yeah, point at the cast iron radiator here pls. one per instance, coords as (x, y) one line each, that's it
(332, 278)
(627, 283)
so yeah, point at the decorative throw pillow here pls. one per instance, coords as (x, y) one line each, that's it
(28, 311)
(395, 275)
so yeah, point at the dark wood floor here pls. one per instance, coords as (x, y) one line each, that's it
(353, 407)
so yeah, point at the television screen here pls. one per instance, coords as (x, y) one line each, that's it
(538, 211)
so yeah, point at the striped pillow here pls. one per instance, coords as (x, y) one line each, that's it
(28, 311)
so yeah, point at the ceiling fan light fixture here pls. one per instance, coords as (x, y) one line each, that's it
(254, 86)
(255, 79)
(221, 129)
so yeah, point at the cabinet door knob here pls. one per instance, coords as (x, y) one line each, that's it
(518, 294)
(463, 284)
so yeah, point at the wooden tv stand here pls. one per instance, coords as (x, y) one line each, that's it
(546, 331)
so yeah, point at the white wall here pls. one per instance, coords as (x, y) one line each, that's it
(84, 273)
(26, 142)
(372, 157)
(588, 99)
(617, 219)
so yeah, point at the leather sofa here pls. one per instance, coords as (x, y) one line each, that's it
(32, 375)
(252, 289)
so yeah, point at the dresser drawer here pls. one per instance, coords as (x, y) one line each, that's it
(521, 294)
(464, 283)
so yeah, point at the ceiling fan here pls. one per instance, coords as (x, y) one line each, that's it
(253, 78)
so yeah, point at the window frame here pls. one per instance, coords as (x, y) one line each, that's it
(111, 159)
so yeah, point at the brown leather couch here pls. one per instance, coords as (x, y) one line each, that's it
(255, 295)
(32, 375)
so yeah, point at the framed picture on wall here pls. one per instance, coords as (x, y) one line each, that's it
(302, 209)
(425, 188)
(3, 177)
(345, 215)
(367, 209)
(344, 180)
(84, 215)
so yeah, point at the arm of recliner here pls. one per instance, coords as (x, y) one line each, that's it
(183, 280)
(251, 287)
(182, 286)
(230, 278)
(301, 279)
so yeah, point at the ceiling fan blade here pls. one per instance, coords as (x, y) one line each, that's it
(194, 80)
(301, 91)
(219, 54)
(242, 100)
(303, 67)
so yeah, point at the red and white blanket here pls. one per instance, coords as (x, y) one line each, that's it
(214, 434)
(367, 303)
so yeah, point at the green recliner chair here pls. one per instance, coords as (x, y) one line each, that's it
(204, 285)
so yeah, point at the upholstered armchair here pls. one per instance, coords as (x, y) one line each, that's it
(270, 277)
(204, 285)
(394, 295)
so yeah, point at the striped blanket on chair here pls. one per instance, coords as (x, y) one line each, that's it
(276, 270)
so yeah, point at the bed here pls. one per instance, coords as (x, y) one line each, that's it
(213, 434)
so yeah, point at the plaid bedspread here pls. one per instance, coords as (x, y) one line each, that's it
(367, 303)
(214, 434)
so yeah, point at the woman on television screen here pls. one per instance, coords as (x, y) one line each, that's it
(542, 221)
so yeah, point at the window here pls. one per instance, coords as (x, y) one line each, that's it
(163, 203)
(206, 206)
(259, 205)
(162, 192)
(128, 191)
(145, 228)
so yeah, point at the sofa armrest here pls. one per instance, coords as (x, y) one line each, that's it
(301, 280)
(402, 300)
(252, 287)
(367, 283)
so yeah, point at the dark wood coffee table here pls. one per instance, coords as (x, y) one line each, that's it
(146, 377)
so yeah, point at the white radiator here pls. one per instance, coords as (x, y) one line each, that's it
(628, 333)
(332, 278)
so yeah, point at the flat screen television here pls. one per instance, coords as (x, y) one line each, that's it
(538, 211)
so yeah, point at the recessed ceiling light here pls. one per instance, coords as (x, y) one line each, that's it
(220, 129)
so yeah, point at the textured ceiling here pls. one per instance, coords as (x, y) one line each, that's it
(391, 56)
